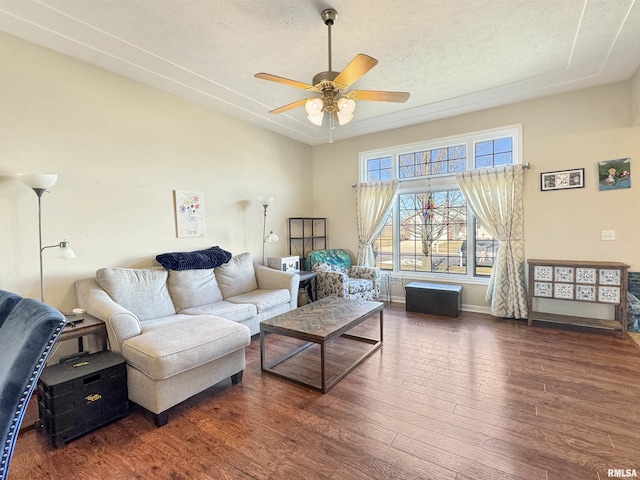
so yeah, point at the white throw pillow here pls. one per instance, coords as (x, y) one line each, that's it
(237, 276)
(142, 291)
(193, 288)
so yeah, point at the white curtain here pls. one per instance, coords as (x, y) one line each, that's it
(373, 203)
(495, 196)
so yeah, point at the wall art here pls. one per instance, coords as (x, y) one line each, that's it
(190, 213)
(562, 179)
(614, 174)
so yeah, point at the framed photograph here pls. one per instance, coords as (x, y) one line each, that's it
(190, 214)
(614, 174)
(562, 179)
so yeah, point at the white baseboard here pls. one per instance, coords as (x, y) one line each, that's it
(465, 308)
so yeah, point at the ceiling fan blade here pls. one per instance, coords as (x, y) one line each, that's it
(379, 96)
(360, 65)
(290, 106)
(286, 81)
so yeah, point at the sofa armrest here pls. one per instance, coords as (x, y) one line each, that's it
(121, 323)
(368, 273)
(332, 283)
(271, 279)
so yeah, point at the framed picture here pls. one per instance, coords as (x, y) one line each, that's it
(562, 179)
(190, 214)
(614, 174)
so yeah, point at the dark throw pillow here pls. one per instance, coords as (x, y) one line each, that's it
(210, 258)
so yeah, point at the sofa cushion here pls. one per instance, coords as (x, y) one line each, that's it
(237, 276)
(193, 288)
(334, 256)
(142, 291)
(264, 300)
(209, 258)
(238, 312)
(328, 267)
(356, 285)
(167, 350)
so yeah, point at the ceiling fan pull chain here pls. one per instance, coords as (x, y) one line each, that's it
(331, 127)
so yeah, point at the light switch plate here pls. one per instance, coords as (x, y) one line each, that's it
(607, 235)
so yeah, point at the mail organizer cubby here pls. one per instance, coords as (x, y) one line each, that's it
(582, 281)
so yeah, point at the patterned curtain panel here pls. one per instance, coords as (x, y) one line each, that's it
(495, 196)
(373, 204)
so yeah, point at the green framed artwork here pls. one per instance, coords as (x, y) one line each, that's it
(614, 174)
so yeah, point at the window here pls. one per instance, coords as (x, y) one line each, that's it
(430, 230)
(379, 169)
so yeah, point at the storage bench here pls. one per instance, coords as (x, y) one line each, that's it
(434, 298)
(82, 394)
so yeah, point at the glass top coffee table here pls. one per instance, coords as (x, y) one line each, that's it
(319, 323)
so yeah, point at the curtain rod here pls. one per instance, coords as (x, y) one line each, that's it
(526, 165)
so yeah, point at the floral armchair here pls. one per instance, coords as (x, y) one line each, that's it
(336, 276)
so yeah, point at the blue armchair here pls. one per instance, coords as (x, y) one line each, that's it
(28, 331)
(336, 276)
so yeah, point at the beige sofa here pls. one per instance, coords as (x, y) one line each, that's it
(182, 332)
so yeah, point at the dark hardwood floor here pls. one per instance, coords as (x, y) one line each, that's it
(447, 399)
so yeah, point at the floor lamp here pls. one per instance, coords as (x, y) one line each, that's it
(39, 183)
(272, 237)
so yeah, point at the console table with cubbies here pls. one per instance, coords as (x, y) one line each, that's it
(583, 281)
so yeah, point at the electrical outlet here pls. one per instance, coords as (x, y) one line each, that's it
(607, 235)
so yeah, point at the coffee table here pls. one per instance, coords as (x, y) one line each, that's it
(317, 324)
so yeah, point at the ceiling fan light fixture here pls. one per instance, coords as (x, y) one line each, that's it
(346, 107)
(344, 119)
(315, 112)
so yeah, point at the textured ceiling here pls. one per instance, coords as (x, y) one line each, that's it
(453, 56)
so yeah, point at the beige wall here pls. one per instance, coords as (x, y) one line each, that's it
(120, 149)
(572, 130)
(635, 98)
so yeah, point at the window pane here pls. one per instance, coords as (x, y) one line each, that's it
(458, 152)
(432, 229)
(484, 148)
(386, 175)
(379, 169)
(406, 166)
(494, 152)
(440, 161)
(457, 165)
(484, 161)
(502, 159)
(503, 145)
(486, 248)
(383, 246)
(373, 176)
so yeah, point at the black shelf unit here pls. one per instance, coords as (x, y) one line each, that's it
(305, 235)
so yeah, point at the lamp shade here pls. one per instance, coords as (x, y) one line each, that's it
(272, 237)
(39, 180)
(66, 252)
(265, 201)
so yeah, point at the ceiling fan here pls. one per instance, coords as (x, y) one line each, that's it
(333, 86)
